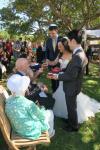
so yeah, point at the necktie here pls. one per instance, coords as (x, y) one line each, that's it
(54, 44)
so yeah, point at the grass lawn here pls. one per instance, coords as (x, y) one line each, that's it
(88, 137)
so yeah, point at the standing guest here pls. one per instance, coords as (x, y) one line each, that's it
(8, 47)
(27, 119)
(29, 50)
(34, 47)
(39, 53)
(29, 43)
(52, 51)
(89, 57)
(1, 52)
(16, 49)
(25, 43)
(3, 59)
(22, 46)
(1, 56)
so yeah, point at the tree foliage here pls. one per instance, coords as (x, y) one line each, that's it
(34, 16)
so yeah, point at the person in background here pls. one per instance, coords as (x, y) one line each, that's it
(29, 43)
(25, 43)
(3, 60)
(8, 48)
(34, 48)
(89, 57)
(39, 53)
(26, 118)
(16, 49)
(44, 51)
(1, 52)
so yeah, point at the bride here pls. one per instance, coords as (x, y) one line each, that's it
(86, 106)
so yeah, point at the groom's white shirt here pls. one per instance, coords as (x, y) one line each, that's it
(76, 49)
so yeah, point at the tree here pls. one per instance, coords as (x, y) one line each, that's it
(34, 16)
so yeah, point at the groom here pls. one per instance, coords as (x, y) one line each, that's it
(72, 78)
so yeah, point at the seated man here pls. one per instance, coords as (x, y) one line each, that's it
(26, 118)
(35, 91)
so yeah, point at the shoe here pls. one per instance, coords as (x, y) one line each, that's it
(70, 129)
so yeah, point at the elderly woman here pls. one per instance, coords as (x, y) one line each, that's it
(27, 119)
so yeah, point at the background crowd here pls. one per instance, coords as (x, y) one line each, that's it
(10, 49)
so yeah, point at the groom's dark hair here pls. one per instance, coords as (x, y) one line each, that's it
(75, 34)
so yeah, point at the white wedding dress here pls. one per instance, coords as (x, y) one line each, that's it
(86, 106)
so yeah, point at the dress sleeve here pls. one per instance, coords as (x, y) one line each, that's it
(34, 110)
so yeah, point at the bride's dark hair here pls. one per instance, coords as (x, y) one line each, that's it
(64, 42)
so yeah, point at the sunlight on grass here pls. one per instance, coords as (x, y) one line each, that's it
(87, 135)
(97, 146)
(93, 82)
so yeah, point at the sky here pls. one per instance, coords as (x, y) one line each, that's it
(3, 3)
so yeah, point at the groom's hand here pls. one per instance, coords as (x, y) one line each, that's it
(54, 77)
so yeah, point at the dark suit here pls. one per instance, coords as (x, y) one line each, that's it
(52, 54)
(72, 82)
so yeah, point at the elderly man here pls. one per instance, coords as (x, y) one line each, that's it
(22, 66)
(36, 91)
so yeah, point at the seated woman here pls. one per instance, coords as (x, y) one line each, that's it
(26, 118)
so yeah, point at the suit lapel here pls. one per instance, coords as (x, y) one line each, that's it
(80, 50)
(51, 45)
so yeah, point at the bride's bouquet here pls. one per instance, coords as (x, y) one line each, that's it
(54, 71)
